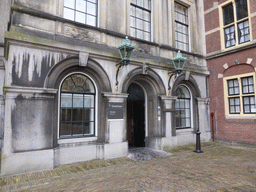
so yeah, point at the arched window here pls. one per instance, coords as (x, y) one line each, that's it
(183, 108)
(77, 107)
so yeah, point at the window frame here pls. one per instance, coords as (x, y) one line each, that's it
(183, 24)
(190, 108)
(85, 12)
(234, 23)
(78, 138)
(136, 29)
(241, 96)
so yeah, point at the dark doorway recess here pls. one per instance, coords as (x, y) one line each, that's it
(136, 116)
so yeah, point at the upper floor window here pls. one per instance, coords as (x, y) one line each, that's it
(183, 108)
(82, 11)
(141, 19)
(236, 25)
(240, 94)
(77, 107)
(181, 27)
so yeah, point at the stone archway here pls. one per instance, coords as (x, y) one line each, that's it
(193, 87)
(94, 70)
(152, 86)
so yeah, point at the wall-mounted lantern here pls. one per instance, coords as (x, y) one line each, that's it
(125, 51)
(179, 62)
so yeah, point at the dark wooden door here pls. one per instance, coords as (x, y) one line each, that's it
(136, 116)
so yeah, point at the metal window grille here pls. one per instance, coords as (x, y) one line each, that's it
(233, 87)
(244, 100)
(249, 104)
(247, 85)
(236, 29)
(234, 105)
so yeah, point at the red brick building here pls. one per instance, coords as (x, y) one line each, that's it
(230, 27)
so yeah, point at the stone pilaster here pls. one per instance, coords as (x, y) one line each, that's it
(115, 117)
(169, 129)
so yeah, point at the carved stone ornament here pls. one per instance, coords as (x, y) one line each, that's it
(143, 49)
(145, 68)
(77, 33)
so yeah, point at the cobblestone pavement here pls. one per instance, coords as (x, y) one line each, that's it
(222, 167)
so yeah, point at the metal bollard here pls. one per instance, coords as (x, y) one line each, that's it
(198, 143)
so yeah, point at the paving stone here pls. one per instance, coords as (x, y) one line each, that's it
(145, 153)
(219, 168)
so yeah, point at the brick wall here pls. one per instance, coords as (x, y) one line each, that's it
(238, 130)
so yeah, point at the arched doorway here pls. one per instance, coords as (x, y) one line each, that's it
(136, 116)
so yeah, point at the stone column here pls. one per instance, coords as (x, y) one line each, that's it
(115, 134)
(203, 114)
(167, 115)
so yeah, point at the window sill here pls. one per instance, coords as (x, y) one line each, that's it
(77, 140)
(184, 131)
(253, 116)
(234, 49)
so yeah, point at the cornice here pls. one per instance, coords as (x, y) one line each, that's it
(230, 51)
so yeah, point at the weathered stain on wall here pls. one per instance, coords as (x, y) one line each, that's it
(32, 122)
(30, 66)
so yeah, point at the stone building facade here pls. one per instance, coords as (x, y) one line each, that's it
(231, 59)
(59, 98)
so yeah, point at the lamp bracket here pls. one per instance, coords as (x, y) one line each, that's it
(118, 67)
(171, 74)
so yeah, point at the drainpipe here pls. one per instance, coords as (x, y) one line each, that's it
(212, 121)
(216, 124)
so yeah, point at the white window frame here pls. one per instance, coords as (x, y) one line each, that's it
(83, 12)
(188, 25)
(136, 18)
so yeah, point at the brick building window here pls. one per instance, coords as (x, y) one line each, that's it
(82, 11)
(141, 19)
(181, 27)
(240, 94)
(236, 24)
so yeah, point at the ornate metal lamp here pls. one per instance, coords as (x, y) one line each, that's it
(179, 62)
(125, 51)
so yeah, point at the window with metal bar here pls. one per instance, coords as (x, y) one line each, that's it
(181, 27)
(241, 95)
(182, 108)
(141, 19)
(77, 107)
(82, 11)
(236, 23)
(233, 87)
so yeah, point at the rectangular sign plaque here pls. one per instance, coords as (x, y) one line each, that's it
(115, 110)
